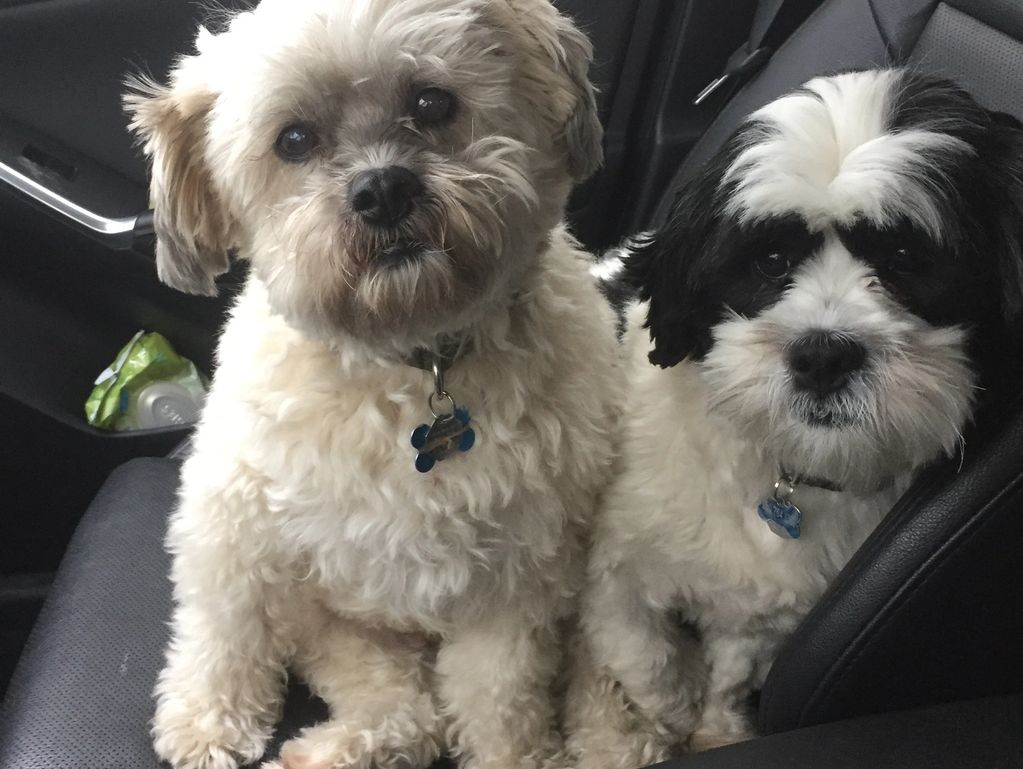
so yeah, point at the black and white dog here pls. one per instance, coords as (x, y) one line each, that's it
(823, 305)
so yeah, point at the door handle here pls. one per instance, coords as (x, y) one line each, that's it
(120, 233)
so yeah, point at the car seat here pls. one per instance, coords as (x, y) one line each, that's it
(912, 658)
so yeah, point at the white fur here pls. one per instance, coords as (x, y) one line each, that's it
(303, 532)
(678, 535)
(831, 159)
(907, 406)
(679, 531)
(424, 609)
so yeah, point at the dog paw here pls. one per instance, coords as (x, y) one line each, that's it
(720, 726)
(190, 737)
(619, 750)
(680, 721)
(702, 740)
(336, 745)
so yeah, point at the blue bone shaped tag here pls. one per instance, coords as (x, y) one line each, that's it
(782, 517)
(449, 434)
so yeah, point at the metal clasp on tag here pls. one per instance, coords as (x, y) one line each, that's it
(450, 432)
(784, 488)
(779, 512)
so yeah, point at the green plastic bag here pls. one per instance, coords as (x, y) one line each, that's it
(148, 359)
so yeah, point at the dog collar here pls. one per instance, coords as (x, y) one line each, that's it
(778, 510)
(450, 433)
(808, 480)
(781, 514)
(424, 359)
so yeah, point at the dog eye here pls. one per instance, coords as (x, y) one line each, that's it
(773, 265)
(434, 105)
(902, 260)
(295, 143)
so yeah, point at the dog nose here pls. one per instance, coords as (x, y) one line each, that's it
(822, 361)
(384, 196)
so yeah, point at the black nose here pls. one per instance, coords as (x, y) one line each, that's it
(384, 196)
(822, 361)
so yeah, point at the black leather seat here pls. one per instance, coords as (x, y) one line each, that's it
(930, 611)
(81, 697)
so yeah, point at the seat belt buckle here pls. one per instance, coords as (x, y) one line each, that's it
(736, 75)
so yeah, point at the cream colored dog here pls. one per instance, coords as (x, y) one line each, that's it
(395, 172)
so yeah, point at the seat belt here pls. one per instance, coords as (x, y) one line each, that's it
(773, 22)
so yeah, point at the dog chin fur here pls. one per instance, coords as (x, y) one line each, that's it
(891, 198)
(424, 609)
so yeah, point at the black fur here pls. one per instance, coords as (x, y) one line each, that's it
(701, 263)
(679, 268)
(619, 293)
(975, 276)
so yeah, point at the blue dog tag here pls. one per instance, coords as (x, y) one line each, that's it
(781, 516)
(449, 434)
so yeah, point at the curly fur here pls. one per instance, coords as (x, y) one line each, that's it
(424, 609)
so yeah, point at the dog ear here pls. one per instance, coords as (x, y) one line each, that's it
(675, 269)
(193, 232)
(554, 40)
(583, 133)
(664, 270)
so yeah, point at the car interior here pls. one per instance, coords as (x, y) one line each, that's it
(912, 658)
